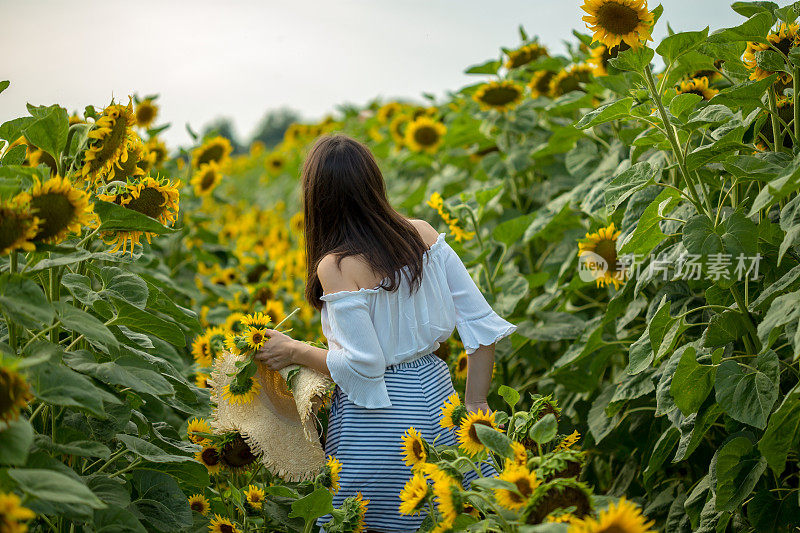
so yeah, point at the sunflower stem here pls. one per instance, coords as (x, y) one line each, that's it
(484, 262)
(777, 142)
(751, 329)
(673, 141)
(12, 327)
(795, 84)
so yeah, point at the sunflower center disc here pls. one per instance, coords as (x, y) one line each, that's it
(151, 202)
(55, 211)
(417, 449)
(212, 154)
(208, 179)
(112, 142)
(10, 230)
(617, 19)
(426, 136)
(500, 96)
(145, 114)
(608, 251)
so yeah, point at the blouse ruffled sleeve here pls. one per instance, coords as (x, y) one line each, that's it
(477, 323)
(355, 357)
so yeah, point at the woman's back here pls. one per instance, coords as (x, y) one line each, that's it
(369, 328)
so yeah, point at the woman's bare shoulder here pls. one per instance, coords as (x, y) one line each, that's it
(426, 231)
(347, 275)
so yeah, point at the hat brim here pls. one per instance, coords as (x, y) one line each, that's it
(278, 425)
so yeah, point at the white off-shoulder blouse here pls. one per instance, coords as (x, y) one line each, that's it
(370, 329)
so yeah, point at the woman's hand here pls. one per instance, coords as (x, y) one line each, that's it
(278, 351)
(474, 407)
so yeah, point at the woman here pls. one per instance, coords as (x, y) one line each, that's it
(389, 290)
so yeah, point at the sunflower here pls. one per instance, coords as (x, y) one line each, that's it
(602, 54)
(436, 201)
(414, 448)
(38, 157)
(156, 198)
(18, 226)
(570, 79)
(452, 412)
(129, 168)
(468, 437)
(332, 470)
(210, 457)
(698, 86)
(414, 494)
(201, 380)
(255, 497)
(525, 482)
(498, 95)
(109, 138)
(784, 39)
(60, 208)
(233, 322)
(526, 54)
(256, 320)
(556, 496)
(520, 454)
(201, 350)
(459, 233)
(146, 112)
(462, 363)
(199, 503)
(568, 441)
(275, 162)
(603, 245)
(622, 517)
(540, 83)
(222, 525)
(387, 111)
(14, 394)
(198, 425)
(448, 496)
(12, 513)
(242, 393)
(361, 512)
(425, 135)
(215, 150)
(236, 454)
(234, 343)
(616, 21)
(256, 337)
(156, 152)
(397, 128)
(205, 179)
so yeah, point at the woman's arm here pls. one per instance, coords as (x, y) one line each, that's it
(281, 350)
(479, 378)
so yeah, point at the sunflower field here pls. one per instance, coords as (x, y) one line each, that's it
(633, 206)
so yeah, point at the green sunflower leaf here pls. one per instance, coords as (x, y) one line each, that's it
(674, 46)
(783, 432)
(115, 217)
(748, 392)
(735, 470)
(49, 130)
(753, 29)
(53, 486)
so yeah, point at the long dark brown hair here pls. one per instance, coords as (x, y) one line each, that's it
(347, 213)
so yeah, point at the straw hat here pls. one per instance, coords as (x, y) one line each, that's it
(279, 425)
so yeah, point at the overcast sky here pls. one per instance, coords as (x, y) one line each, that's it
(238, 58)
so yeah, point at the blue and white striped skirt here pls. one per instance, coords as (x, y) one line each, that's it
(368, 442)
